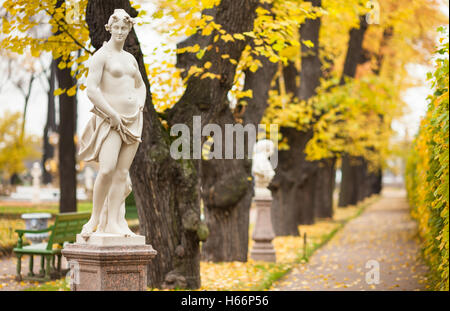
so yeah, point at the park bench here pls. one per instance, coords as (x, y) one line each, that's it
(64, 230)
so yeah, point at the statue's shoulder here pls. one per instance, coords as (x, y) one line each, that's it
(130, 56)
(100, 54)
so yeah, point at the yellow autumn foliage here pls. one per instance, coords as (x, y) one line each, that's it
(427, 173)
(14, 150)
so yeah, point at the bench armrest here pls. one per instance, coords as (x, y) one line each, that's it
(20, 232)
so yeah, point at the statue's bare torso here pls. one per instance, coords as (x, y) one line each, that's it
(118, 83)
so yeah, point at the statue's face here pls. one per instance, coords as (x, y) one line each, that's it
(119, 30)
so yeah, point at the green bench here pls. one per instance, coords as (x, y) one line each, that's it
(65, 229)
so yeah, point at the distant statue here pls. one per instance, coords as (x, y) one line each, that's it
(36, 173)
(262, 169)
(112, 135)
(263, 172)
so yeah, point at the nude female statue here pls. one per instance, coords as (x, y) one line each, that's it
(112, 136)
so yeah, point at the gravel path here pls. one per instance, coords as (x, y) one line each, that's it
(379, 250)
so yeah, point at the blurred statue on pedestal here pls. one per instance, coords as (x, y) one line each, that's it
(262, 169)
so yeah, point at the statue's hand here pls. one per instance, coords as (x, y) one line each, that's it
(115, 121)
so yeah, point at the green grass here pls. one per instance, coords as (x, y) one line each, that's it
(57, 285)
(17, 211)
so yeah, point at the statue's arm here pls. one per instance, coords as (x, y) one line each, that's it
(93, 82)
(139, 84)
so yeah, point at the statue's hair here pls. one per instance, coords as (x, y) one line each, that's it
(264, 146)
(119, 14)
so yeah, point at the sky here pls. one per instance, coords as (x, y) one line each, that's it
(11, 99)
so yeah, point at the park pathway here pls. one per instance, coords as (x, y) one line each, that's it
(384, 235)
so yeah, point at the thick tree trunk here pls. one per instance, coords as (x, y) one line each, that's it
(325, 183)
(227, 193)
(354, 50)
(361, 181)
(227, 184)
(349, 183)
(67, 171)
(66, 142)
(166, 190)
(50, 125)
(354, 184)
(348, 193)
(292, 201)
(294, 185)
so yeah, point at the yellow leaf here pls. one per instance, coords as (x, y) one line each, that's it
(72, 91)
(62, 65)
(239, 36)
(58, 91)
(273, 59)
(227, 38)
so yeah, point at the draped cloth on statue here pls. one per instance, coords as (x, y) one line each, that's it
(99, 127)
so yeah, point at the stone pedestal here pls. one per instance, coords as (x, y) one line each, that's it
(106, 263)
(263, 233)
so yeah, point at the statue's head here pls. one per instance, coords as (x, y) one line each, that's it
(264, 146)
(119, 24)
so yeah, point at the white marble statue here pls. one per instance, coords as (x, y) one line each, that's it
(88, 178)
(112, 135)
(261, 168)
(36, 173)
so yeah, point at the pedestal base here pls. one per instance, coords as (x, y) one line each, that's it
(263, 233)
(263, 251)
(108, 239)
(108, 268)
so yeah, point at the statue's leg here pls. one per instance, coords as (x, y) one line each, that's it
(118, 190)
(107, 161)
(121, 220)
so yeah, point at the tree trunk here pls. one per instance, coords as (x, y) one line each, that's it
(349, 183)
(325, 183)
(227, 189)
(166, 190)
(227, 184)
(294, 185)
(67, 172)
(348, 193)
(50, 125)
(361, 181)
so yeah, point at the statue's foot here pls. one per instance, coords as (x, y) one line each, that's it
(125, 230)
(88, 229)
(101, 226)
(113, 228)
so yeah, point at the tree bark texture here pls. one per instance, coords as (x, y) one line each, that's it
(227, 184)
(50, 125)
(167, 190)
(294, 185)
(66, 144)
(349, 183)
(227, 188)
(325, 184)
